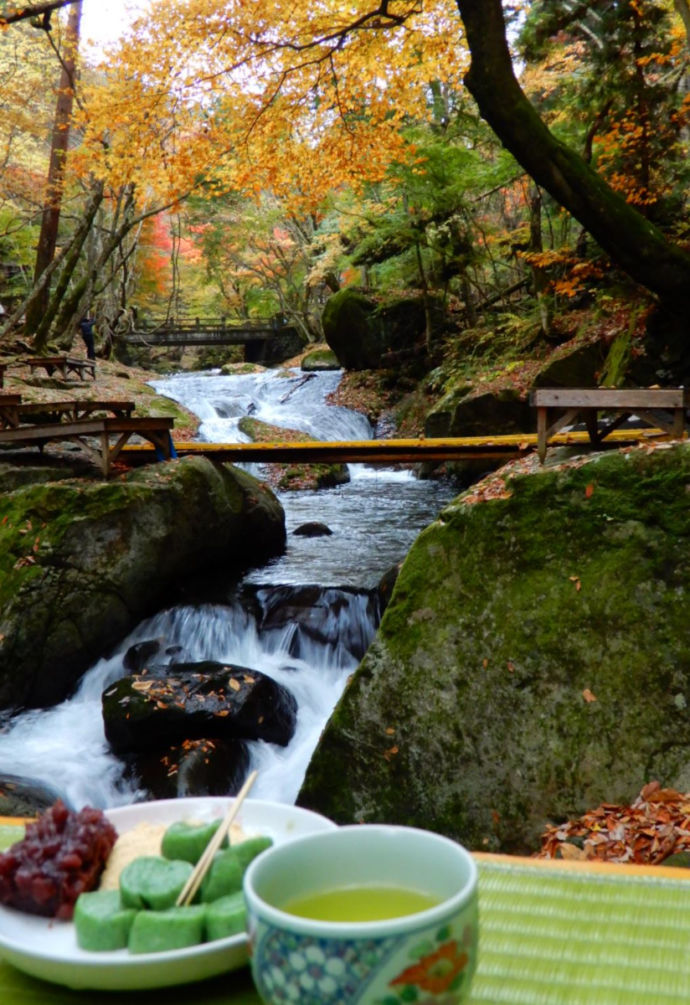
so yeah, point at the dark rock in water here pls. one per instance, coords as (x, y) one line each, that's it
(312, 529)
(24, 797)
(203, 767)
(386, 584)
(138, 655)
(206, 699)
(345, 617)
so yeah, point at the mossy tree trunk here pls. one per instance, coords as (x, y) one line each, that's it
(50, 220)
(636, 245)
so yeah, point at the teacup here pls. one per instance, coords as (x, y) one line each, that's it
(341, 948)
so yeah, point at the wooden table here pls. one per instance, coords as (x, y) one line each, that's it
(63, 364)
(557, 407)
(9, 409)
(57, 411)
(156, 430)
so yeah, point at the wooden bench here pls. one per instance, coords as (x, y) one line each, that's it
(660, 407)
(63, 364)
(57, 411)
(156, 430)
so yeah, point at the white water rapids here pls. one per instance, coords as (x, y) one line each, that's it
(374, 520)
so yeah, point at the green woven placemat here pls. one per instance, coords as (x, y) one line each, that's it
(558, 937)
(548, 936)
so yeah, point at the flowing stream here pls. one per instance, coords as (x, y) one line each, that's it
(374, 519)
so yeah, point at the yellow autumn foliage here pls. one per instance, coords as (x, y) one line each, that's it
(252, 95)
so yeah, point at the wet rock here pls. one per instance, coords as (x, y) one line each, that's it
(25, 797)
(206, 699)
(386, 584)
(312, 529)
(329, 616)
(202, 767)
(139, 656)
(319, 359)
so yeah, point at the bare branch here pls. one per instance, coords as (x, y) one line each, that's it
(24, 13)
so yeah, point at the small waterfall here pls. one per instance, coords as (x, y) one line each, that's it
(39, 740)
(305, 619)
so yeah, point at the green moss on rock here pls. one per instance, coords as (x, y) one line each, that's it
(533, 661)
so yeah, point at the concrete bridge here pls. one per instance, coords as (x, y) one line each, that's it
(265, 340)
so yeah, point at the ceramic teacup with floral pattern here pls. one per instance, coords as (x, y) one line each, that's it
(325, 955)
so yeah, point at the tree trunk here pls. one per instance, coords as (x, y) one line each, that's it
(540, 277)
(50, 221)
(53, 302)
(634, 244)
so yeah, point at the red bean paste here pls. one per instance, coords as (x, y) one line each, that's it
(62, 855)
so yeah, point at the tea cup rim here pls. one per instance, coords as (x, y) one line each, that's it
(427, 917)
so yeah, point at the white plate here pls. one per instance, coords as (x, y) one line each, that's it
(48, 949)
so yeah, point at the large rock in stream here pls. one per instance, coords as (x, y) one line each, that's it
(533, 661)
(82, 562)
(195, 701)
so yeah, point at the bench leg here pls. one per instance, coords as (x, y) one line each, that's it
(678, 430)
(541, 433)
(592, 424)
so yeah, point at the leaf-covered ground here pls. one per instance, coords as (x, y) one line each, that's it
(647, 832)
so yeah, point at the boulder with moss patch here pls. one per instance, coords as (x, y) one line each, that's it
(82, 562)
(360, 330)
(532, 662)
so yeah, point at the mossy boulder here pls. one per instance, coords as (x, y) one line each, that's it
(465, 412)
(360, 330)
(533, 661)
(574, 366)
(319, 359)
(81, 562)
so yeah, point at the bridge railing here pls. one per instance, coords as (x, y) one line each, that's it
(188, 324)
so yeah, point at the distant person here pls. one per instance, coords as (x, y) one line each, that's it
(86, 326)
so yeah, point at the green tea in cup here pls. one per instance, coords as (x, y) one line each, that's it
(370, 913)
(360, 903)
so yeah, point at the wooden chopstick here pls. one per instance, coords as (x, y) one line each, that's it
(200, 869)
